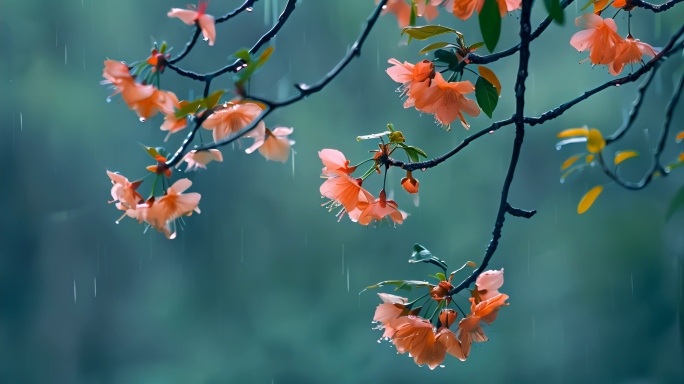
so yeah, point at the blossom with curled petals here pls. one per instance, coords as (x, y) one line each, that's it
(400, 8)
(162, 213)
(599, 36)
(232, 118)
(446, 100)
(488, 283)
(273, 145)
(469, 327)
(124, 192)
(629, 51)
(380, 208)
(334, 160)
(204, 21)
(413, 78)
(199, 159)
(345, 191)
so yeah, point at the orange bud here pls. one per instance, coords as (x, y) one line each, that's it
(423, 71)
(447, 317)
(409, 183)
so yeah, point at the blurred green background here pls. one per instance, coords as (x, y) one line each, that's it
(262, 287)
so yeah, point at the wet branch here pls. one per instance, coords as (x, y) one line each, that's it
(655, 166)
(552, 114)
(289, 7)
(195, 35)
(519, 120)
(477, 59)
(304, 91)
(655, 8)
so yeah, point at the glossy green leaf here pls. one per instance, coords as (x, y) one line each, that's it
(150, 151)
(427, 31)
(476, 46)
(437, 45)
(448, 57)
(243, 55)
(486, 95)
(676, 204)
(440, 276)
(490, 24)
(189, 108)
(587, 5)
(213, 99)
(555, 11)
(422, 255)
(412, 19)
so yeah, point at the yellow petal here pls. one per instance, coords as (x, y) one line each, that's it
(567, 163)
(624, 155)
(489, 75)
(681, 156)
(680, 136)
(599, 5)
(584, 131)
(588, 199)
(595, 142)
(590, 158)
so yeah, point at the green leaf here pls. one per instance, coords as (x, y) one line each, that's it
(440, 276)
(246, 72)
(422, 255)
(401, 284)
(490, 24)
(390, 126)
(486, 95)
(213, 99)
(163, 47)
(437, 45)
(368, 172)
(555, 11)
(189, 108)
(243, 55)
(413, 156)
(448, 57)
(587, 5)
(476, 46)
(676, 204)
(150, 151)
(427, 31)
(412, 19)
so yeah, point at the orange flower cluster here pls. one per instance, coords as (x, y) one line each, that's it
(160, 213)
(428, 92)
(345, 191)
(605, 46)
(463, 9)
(428, 344)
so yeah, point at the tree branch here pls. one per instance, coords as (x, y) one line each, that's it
(655, 166)
(195, 35)
(289, 7)
(652, 7)
(519, 120)
(304, 92)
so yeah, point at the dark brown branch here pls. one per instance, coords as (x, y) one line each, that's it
(477, 59)
(655, 166)
(248, 4)
(289, 7)
(652, 7)
(304, 92)
(517, 212)
(519, 120)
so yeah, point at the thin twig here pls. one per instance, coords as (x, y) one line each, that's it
(652, 7)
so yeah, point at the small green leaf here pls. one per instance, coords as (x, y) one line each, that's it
(587, 5)
(427, 31)
(486, 95)
(476, 46)
(213, 99)
(490, 24)
(555, 11)
(243, 55)
(437, 45)
(413, 156)
(189, 108)
(150, 151)
(676, 204)
(412, 19)
(448, 57)
(390, 126)
(422, 255)
(163, 47)
(440, 276)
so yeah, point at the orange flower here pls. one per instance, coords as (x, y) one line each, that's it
(199, 159)
(171, 123)
(391, 308)
(400, 8)
(624, 4)
(446, 101)
(469, 327)
(417, 336)
(190, 17)
(117, 74)
(343, 190)
(232, 118)
(463, 9)
(409, 183)
(124, 192)
(488, 284)
(273, 145)
(441, 291)
(162, 214)
(147, 100)
(334, 160)
(379, 209)
(428, 9)
(599, 36)
(157, 60)
(161, 167)
(413, 78)
(629, 51)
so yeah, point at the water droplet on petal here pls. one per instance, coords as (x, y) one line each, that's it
(205, 39)
(558, 147)
(142, 119)
(109, 99)
(562, 181)
(118, 221)
(441, 365)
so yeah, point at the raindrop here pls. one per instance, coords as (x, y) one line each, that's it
(249, 9)
(142, 119)
(65, 55)
(347, 280)
(74, 291)
(21, 121)
(95, 285)
(441, 365)
(423, 169)
(109, 99)
(490, 132)
(205, 38)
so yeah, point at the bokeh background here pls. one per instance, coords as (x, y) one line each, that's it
(263, 286)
